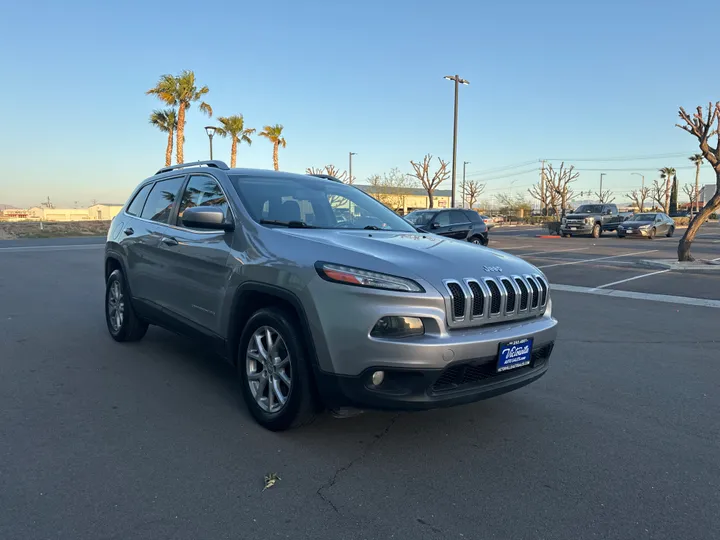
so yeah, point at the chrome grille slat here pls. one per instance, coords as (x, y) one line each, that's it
(473, 302)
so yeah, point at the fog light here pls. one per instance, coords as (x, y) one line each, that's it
(378, 377)
(398, 327)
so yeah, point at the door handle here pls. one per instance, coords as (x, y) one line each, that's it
(129, 231)
(169, 241)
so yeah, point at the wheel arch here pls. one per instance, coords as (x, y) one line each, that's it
(251, 296)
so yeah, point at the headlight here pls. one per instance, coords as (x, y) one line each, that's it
(644, 227)
(365, 278)
(563, 220)
(589, 219)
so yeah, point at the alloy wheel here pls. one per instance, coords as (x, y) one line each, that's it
(116, 306)
(268, 369)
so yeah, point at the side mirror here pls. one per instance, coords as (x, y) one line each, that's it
(206, 217)
(435, 225)
(608, 212)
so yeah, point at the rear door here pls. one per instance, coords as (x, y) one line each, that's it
(195, 260)
(148, 275)
(459, 224)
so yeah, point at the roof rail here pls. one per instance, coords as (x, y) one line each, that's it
(210, 163)
(327, 177)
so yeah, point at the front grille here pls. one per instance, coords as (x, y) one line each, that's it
(523, 294)
(510, 292)
(475, 371)
(458, 300)
(475, 302)
(478, 299)
(495, 297)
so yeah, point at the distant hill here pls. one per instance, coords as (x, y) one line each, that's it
(6, 206)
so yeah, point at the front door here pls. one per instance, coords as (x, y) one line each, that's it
(441, 224)
(197, 273)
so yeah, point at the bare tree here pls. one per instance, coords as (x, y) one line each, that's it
(703, 126)
(390, 188)
(558, 182)
(330, 170)
(605, 196)
(473, 190)
(638, 197)
(692, 193)
(657, 193)
(430, 181)
(540, 192)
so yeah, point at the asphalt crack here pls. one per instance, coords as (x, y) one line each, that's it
(339, 471)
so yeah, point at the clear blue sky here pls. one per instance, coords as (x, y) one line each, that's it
(548, 80)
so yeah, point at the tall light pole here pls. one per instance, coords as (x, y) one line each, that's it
(465, 163)
(350, 155)
(210, 130)
(601, 193)
(458, 81)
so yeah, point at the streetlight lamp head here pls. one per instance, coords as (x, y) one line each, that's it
(210, 130)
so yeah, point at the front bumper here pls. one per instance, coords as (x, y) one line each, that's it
(577, 229)
(419, 389)
(634, 232)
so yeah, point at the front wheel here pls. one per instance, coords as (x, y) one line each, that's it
(620, 235)
(597, 231)
(122, 322)
(274, 371)
(670, 232)
(652, 233)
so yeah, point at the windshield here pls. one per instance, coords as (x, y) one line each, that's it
(589, 209)
(420, 218)
(644, 217)
(313, 202)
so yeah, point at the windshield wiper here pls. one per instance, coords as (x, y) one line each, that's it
(288, 224)
(372, 228)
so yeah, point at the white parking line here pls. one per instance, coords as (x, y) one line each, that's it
(513, 247)
(632, 278)
(51, 248)
(599, 258)
(685, 300)
(549, 252)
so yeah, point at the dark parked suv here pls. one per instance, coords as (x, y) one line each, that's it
(319, 294)
(457, 223)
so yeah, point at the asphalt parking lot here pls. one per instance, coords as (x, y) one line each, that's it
(151, 440)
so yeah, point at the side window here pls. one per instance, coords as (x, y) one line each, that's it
(473, 217)
(443, 219)
(456, 216)
(138, 202)
(202, 190)
(161, 199)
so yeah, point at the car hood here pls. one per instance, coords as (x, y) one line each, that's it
(427, 256)
(635, 223)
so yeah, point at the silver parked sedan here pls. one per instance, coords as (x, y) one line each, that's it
(647, 225)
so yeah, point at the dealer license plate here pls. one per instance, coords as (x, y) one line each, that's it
(573, 228)
(515, 354)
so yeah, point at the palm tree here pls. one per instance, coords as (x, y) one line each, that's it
(697, 159)
(667, 173)
(180, 92)
(166, 121)
(235, 127)
(274, 135)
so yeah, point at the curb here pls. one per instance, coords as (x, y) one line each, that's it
(547, 236)
(675, 266)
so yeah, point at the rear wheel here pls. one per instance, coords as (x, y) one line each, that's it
(122, 322)
(478, 240)
(597, 231)
(274, 371)
(670, 232)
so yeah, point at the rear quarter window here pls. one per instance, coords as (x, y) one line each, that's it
(136, 206)
(474, 217)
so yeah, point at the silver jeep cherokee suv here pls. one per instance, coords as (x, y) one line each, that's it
(319, 294)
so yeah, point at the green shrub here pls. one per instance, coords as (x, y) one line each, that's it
(680, 221)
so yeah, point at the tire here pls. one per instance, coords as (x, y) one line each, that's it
(565, 235)
(620, 235)
(477, 240)
(597, 231)
(120, 317)
(653, 231)
(670, 232)
(299, 407)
